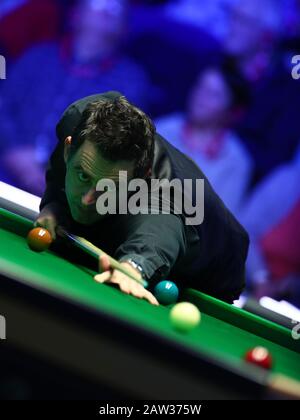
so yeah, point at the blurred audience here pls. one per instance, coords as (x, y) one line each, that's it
(26, 22)
(208, 14)
(203, 131)
(251, 36)
(270, 215)
(50, 76)
(281, 250)
(270, 127)
(291, 18)
(174, 51)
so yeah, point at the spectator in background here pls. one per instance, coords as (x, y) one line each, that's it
(281, 250)
(270, 215)
(251, 36)
(207, 14)
(7, 6)
(50, 76)
(173, 50)
(25, 22)
(270, 128)
(291, 18)
(204, 132)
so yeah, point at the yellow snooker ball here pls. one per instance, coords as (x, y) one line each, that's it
(185, 316)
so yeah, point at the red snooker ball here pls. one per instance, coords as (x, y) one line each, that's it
(39, 239)
(259, 356)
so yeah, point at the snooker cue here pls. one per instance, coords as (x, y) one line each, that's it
(96, 252)
(283, 386)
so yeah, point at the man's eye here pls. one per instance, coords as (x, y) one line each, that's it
(83, 177)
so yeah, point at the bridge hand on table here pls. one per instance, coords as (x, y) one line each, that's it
(125, 283)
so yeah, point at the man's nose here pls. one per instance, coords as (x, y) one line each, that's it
(89, 198)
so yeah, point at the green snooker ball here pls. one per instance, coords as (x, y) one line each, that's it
(166, 292)
(185, 316)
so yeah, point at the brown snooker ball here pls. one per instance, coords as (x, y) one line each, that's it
(39, 239)
(259, 356)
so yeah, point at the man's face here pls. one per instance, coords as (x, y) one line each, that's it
(83, 171)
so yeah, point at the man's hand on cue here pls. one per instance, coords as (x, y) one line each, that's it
(50, 217)
(125, 283)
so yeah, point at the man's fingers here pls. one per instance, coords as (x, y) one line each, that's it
(103, 277)
(48, 224)
(123, 284)
(126, 285)
(152, 299)
(140, 292)
(104, 264)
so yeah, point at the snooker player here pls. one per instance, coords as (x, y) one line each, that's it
(102, 135)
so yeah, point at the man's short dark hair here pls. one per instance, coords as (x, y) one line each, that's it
(119, 130)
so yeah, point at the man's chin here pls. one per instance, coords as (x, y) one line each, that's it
(83, 219)
(87, 219)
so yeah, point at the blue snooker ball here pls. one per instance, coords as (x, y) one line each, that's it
(166, 292)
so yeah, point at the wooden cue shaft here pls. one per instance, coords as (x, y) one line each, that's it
(96, 252)
(284, 386)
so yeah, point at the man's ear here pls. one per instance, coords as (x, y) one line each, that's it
(67, 148)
